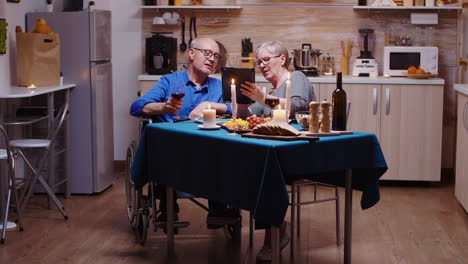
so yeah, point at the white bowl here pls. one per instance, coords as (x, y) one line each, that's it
(158, 21)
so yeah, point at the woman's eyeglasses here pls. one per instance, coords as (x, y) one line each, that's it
(208, 53)
(265, 60)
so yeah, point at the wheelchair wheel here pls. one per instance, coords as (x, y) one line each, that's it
(129, 187)
(142, 220)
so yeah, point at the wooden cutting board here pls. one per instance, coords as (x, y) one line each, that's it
(330, 134)
(282, 138)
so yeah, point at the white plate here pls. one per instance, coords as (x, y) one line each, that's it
(209, 128)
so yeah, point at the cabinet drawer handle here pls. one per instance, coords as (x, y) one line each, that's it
(374, 101)
(387, 101)
(465, 115)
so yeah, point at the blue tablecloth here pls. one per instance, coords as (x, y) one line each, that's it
(252, 173)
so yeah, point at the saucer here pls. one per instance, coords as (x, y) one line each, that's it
(209, 128)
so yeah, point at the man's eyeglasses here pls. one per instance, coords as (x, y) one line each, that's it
(208, 53)
(265, 60)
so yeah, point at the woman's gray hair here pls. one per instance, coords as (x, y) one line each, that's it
(275, 47)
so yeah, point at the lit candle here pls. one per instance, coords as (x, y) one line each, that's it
(233, 99)
(279, 116)
(288, 94)
(32, 86)
(209, 117)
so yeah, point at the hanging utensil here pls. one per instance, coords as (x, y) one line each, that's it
(191, 25)
(195, 26)
(183, 46)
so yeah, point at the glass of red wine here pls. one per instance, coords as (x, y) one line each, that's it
(178, 92)
(272, 102)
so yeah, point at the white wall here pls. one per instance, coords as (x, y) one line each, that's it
(126, 62)
(126, 58)
(14, 15)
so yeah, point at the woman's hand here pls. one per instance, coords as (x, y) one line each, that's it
(253, 92)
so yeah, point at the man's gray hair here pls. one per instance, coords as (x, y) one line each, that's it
(275, 47)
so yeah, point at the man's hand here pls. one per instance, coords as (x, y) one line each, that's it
(253, 92)
(172, 106)
(197, 111)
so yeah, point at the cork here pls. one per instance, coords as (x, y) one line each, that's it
(325, 117)
(314, 117)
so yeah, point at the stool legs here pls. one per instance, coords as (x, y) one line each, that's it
(11, 189)
(36, 177)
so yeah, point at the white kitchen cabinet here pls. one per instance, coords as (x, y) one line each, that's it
(461, 170)
(407, 119)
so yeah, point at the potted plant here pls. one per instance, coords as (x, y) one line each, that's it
(49, 6)
(91, 5)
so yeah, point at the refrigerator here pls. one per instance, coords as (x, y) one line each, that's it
(85, 39)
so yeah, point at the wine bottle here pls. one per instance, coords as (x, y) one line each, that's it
(339, 105)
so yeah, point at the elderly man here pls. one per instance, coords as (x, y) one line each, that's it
(199, 90)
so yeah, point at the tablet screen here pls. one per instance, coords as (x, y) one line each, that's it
(240, 75)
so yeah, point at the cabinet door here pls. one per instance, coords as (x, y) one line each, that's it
(364, 109)
(411, 131)
(461, 170)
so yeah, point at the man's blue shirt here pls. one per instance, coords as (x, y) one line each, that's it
(211, 91)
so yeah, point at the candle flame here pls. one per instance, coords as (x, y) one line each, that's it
(289, 76)
(232, 81)
(32, 86)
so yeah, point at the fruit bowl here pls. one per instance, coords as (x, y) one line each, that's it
(426, 75)
(303, 118)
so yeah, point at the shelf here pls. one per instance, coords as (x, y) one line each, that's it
(408, 7)
(191, 7)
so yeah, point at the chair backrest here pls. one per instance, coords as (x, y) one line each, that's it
(58, 121)
(6, 143)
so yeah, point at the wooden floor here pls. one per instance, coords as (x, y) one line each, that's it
(416, 223)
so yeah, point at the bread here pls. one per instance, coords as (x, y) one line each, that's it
(275, 129)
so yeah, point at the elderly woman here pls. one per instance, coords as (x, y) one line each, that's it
(273, 60)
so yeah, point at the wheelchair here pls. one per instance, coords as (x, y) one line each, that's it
(141, 205)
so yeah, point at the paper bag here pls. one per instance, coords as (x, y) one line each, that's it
(37, 59)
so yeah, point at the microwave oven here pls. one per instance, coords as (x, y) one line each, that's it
(397, 59)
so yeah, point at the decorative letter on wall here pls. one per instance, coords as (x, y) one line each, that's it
(3, 35)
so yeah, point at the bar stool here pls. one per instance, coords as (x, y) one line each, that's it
(46, 145)
(7, 155)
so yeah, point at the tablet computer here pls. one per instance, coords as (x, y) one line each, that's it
(240, 75)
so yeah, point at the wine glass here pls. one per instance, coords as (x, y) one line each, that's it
(234, 117)
(178, 92)
(272, 102)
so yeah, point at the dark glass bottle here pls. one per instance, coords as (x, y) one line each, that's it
(339, 105)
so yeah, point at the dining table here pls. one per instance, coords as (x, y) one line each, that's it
(252, 174)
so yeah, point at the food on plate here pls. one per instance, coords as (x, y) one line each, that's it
(276, 129)
(257, 120)
(237, 124)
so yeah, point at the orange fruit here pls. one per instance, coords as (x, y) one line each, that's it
(44, 29)
(420, 71)
(412, 70)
